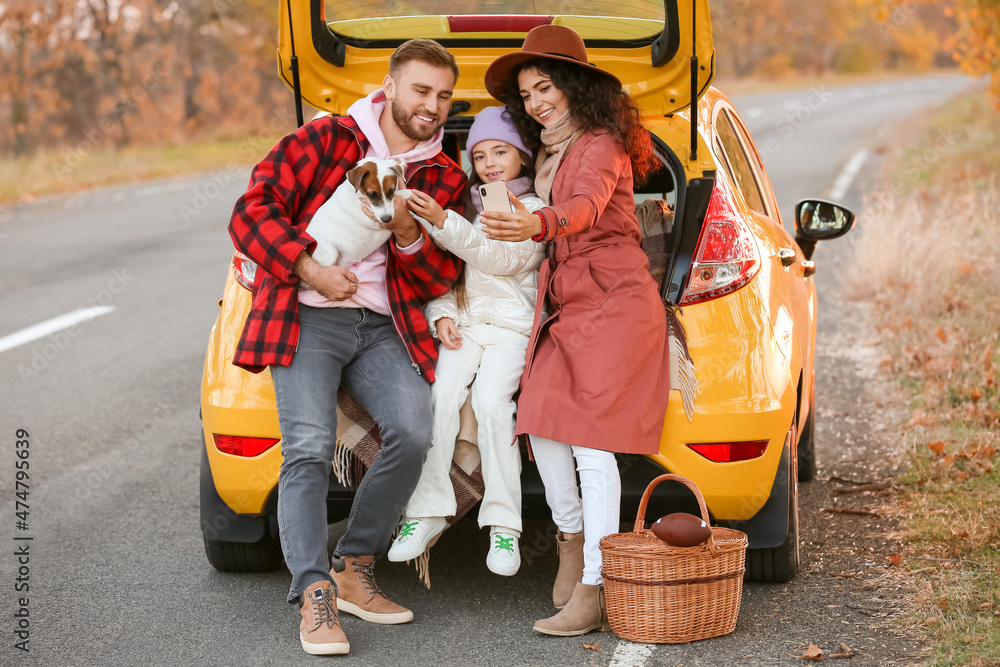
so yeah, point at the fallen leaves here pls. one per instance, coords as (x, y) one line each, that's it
(845, 652)
(596, 646)
(813, 653)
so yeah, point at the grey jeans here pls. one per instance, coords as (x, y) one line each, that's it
(360, 350)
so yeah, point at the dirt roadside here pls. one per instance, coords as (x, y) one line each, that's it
(847, 534)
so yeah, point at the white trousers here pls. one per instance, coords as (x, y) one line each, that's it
(495, 357)
(598, 513)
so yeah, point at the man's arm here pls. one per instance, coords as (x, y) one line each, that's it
(429, 269)
(262, 225)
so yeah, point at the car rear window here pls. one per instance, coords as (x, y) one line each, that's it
(339, 10)
(623, 20)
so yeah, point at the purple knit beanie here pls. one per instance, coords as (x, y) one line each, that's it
(493, 123)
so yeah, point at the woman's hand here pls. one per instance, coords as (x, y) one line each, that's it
(424, 205)
(448, 333)
(516, 226)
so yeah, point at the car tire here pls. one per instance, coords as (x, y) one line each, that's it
(780, 564)
(263, 556)
(807, 448)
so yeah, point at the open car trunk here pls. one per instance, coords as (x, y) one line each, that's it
(341, 47)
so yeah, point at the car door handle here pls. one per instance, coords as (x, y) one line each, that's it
(808, 268)
(787, 256)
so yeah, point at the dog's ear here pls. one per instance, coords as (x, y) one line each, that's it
(356, 175)
(399, 167)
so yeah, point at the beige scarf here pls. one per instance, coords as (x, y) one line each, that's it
(556, 143)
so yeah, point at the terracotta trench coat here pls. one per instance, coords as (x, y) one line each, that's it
(597, 372)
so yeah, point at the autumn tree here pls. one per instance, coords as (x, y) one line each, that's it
(772, 38)
(974, 38)
(120, 72)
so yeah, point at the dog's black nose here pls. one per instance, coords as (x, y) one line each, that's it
(386, 218)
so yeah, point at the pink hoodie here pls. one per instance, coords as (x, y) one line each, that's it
(370, 271)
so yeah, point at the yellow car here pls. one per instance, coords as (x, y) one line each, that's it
(717, 245)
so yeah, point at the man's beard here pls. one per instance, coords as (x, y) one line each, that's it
(405, 122)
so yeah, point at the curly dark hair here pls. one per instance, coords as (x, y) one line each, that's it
(596, 102)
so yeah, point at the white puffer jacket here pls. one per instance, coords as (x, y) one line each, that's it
(501, 278)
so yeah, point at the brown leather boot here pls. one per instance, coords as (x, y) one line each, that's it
(584, 612)
(358, 594)
(320, 631)
(570, 570)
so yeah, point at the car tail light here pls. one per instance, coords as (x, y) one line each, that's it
(726, 256)
(239, 446)
(727, 452)
(244, 270)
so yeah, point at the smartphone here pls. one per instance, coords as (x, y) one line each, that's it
(494, 197)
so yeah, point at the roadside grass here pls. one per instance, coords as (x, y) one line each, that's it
(86, 166)
(928, 261)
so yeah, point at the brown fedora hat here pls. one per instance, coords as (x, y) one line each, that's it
(553, 42)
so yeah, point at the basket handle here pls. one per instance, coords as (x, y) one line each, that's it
(641, 516)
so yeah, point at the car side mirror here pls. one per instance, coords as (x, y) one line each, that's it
(818, 220)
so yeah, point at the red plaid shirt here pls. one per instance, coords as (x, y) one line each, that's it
(268, 226)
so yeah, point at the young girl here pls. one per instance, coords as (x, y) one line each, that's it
(483, 325)
(596, 380)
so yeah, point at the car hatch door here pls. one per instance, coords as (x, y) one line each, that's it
(342, 47)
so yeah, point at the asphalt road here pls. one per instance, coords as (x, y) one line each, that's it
(116, 570)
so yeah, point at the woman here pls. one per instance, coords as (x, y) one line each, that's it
(596, 379)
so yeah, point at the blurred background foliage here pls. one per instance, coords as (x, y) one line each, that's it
(160, 72)
(125, 72)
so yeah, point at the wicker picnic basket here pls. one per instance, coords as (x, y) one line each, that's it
(660, 594)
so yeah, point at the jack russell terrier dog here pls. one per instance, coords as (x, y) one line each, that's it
(343, 233)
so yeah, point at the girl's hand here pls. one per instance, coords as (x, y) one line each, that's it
(448, 333)
(516, 226)
(424, 205)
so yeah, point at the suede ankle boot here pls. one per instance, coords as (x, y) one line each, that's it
(584, 612)
(570, 570)
(358, 594)
(320, 632)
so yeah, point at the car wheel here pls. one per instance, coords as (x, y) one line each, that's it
(807, 448)
(263, 556)
(780, 564)
(250, 545)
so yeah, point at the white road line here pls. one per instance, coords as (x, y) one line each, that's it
(847, 174)
(51, 326)
(630, 654)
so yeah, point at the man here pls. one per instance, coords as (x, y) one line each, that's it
(359, 327)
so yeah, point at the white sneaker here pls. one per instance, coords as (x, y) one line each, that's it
(414, 534)
(504, 557)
